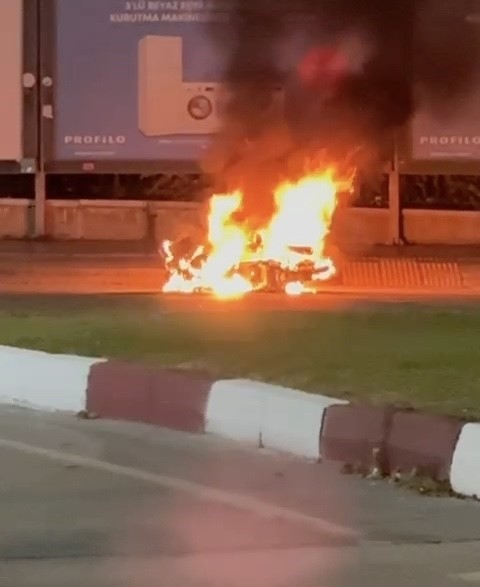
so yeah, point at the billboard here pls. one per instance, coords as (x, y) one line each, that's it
(455, 137)
(11, 74)
(134, 80)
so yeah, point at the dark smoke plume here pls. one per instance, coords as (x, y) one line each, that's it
(353, 71)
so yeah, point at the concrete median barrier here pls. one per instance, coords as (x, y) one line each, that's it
(351, 433)
(422, 442)
(167, 397)
(305, 425)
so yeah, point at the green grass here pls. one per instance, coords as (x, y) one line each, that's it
(427, 357)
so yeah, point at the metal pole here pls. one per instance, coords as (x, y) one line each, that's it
(40, 180)
(395, 213)
(40, 200)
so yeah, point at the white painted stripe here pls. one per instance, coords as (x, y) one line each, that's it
(292, 421)
(277, 417)
(234, 409)
(42, 380)
(197, 490)
(465, 469)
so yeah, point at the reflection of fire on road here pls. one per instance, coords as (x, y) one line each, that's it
(285, 253)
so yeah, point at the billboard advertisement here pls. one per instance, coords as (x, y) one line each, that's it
(135, 80)
(11, 74)
(455, 137)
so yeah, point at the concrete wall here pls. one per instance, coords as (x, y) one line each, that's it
(174, 220)
(441, 227)
(120, 220)
(361, 226)
(134, 221)
(96, 220)
(16, 218)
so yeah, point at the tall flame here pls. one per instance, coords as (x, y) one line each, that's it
(292, 239)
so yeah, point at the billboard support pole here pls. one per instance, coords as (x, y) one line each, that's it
(40, 179)
(395, 213)
(40, 200)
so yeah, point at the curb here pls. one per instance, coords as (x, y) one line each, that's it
(166, 397)
(394, 440)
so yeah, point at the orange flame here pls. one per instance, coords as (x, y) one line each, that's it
(292, 239)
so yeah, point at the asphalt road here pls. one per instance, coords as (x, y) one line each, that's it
(96, 503)
(40, 274)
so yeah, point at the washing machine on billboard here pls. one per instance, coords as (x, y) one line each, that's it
(167, 105)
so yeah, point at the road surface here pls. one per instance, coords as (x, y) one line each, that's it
(98, 503)
(90, 274)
